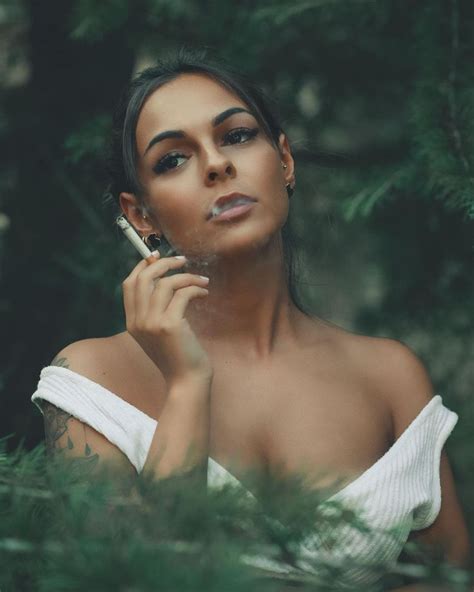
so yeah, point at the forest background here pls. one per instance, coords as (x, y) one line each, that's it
(377, 98)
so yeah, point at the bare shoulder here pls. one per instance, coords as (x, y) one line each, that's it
(67, 435)
(93, 357)
(396, 372)
(118, 364)
(401, 377)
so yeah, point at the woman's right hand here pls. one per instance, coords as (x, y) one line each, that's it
(154, 310)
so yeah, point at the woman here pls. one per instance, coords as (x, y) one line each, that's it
(220, 354)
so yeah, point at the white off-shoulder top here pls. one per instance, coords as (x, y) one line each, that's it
(399, 493)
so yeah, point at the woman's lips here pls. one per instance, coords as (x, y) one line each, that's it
(234, 212)
(224, 200)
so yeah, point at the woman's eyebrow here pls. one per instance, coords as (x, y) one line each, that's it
(180, 134)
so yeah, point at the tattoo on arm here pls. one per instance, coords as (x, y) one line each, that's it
(63, 362)
(56, 425)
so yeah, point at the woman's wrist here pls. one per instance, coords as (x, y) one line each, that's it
(195, 384)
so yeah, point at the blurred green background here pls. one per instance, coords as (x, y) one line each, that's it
(377, 98)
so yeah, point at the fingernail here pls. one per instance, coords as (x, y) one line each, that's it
(204, 277)
(155, 253)
(180, 257)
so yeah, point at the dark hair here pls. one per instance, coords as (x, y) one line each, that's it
(122, 157)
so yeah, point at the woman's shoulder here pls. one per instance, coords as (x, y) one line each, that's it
(117, 363)
(97, 358)
(393, 371)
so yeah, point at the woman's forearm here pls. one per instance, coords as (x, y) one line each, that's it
(181, 439)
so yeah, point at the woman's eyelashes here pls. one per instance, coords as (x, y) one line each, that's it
(171, 160)
(250, 133)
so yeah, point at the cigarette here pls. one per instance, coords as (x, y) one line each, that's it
(135, 239)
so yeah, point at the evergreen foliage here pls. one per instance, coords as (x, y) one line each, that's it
(377, 98)
(66, 526)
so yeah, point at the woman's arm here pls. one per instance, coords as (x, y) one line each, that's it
(181, 440)
(66, 435)
(405, 380)
(449, 528)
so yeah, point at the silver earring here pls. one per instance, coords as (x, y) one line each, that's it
(285, 166)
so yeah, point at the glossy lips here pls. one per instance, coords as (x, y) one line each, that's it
(225, 203)
(234, 211)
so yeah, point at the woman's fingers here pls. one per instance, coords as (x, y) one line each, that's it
(145, 289)
(128, 289)
(169, 288)
(155, 306)
(163, 290)
(177, 308)
(147, 280)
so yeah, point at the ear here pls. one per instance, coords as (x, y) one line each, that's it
(135, 212)
(287, 158)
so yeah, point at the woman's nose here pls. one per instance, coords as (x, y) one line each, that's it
(215, 174)
(218, 166)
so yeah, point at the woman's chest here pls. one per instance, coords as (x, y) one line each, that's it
(296, 418)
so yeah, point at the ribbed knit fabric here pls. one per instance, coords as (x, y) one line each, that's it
(130, 429)
(400, 492)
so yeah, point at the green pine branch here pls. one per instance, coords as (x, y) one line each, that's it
(65, 527)
(442, 105)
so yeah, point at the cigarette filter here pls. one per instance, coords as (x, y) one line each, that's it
(135, 239)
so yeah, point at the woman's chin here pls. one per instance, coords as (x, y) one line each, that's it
(237, 251)
(255, 240)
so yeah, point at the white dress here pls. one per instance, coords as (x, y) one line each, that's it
(399, 493)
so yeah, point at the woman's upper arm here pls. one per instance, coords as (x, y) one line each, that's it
(68, 434)
(73, 438)
(410, 389)
(449, 528)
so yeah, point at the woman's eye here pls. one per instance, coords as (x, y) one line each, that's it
(235, 136)
(168, 162)
(172, 161)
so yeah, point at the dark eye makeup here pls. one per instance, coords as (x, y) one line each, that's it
(170, 160)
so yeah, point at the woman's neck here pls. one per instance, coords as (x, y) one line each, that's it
(248, 308)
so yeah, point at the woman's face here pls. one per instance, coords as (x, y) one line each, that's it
(208, 151)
